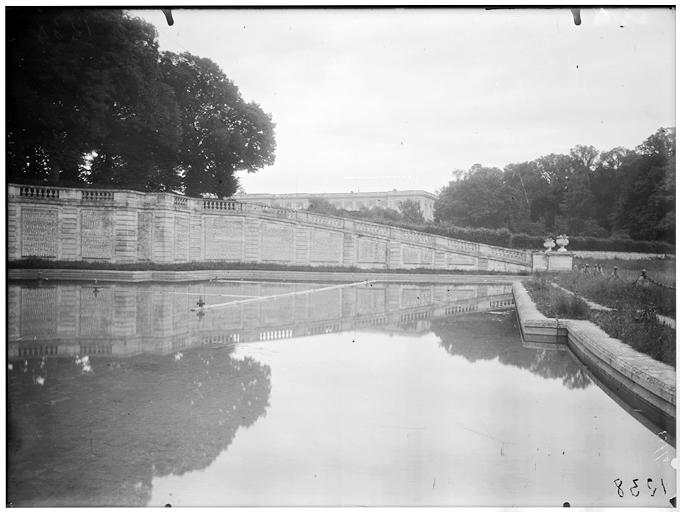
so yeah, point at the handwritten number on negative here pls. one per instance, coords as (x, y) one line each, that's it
(635, 486)
(634, 491)
(618, 483)
(649, 481)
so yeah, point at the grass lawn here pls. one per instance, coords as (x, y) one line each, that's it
(635, 326)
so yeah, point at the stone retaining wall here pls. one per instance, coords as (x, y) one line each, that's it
(122, 226)
(649, 380)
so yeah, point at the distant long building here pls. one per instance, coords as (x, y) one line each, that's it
(348, 200)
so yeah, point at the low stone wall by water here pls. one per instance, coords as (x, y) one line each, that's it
(649, 380)
(122, 226)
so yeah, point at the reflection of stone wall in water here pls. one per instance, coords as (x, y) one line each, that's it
(128, 319)
(38, 312)
(153, 416)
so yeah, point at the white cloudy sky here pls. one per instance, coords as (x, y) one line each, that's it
(376, 99)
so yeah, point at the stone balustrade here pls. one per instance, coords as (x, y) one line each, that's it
(124, 226)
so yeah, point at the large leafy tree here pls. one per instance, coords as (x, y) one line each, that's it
(586, 192)
(479, 199)
(83, 82)
(528, 193)
(57, 90)
(646, 209)
(411, 211)
(91, 101)
(221, 133)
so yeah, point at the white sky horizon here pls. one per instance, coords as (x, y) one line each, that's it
(377, 99)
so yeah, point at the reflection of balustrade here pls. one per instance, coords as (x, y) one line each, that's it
(221, 339)
(35, 350)
(493, 304)
(418, 315)
(92, 349)
(374, 321)
(86, 323)
(460, 308)
(323, 329)
(276, 334)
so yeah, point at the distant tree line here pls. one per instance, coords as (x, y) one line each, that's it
(621, 193)
(92, 102)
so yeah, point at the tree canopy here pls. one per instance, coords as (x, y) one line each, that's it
(587, 193)
(92, 101)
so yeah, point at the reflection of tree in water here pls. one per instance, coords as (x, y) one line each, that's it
(98, 439)
(485, 337)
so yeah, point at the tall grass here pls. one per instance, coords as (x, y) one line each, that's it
(633, 321)
(646, 335)
(555, 303)
(618, 293)
(661, 270)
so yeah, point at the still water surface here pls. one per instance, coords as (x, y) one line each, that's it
(379, 394)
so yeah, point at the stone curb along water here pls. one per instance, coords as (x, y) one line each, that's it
(173, 276)
(652, 381)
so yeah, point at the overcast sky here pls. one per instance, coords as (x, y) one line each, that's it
(399, 98)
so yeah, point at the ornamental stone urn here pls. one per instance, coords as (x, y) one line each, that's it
(562, 241)
(548, 244)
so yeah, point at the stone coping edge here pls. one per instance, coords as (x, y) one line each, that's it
(651, 380)
(136, 276)
(535, 327)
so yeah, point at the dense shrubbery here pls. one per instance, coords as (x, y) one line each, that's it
(504, 238)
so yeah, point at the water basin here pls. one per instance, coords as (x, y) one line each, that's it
(308, 394)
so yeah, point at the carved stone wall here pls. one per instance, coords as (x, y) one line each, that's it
(39, 232)
(121, 226)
